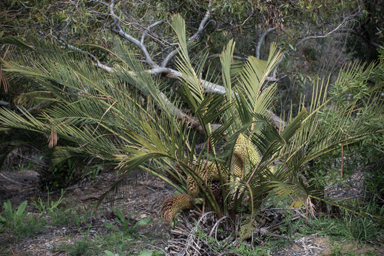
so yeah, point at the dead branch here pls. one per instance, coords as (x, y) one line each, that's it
(261, 40)
(148, 28)
(342, 24)
(195, 36)
(93, 57)
(116, 28)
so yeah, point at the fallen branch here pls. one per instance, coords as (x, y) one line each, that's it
(168, 72)
(119, 31)
(165, 62)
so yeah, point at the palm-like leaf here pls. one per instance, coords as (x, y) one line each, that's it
(98, 111)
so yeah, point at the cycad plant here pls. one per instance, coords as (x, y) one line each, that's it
(104, 117)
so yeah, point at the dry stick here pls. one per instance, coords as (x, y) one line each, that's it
(74, 48)
(118, 30)
(215, 227)
(11, 250)
(208, 87)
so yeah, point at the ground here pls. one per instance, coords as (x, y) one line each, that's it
(140, 197)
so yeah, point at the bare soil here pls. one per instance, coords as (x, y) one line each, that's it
(140, 195)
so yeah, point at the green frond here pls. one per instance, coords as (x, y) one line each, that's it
(183, 63)
(252, 79)
(226, 59)
(291, 129)
(33, 98)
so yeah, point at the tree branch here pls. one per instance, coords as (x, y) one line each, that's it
(347, 19)
(149, 27)
(261, 40)
(74, 48)
(195, 36)
(116, 28)
(208, 88)
(326, 35)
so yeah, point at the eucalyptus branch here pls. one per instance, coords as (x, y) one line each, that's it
(149, 27)
(195, 36)
(208, 88)
(347, 19)
(261, 40)
(93, 57)
(116, 28)
(328, 34)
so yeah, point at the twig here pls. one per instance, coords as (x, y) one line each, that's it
(326, 35)
(149, 27)
(215, 227)
(74, 48)
(195, 36)
(116, 28)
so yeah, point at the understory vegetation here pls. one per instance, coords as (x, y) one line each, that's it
(263, 147)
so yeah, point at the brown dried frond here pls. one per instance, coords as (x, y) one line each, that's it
(4, 80)
(53, 138)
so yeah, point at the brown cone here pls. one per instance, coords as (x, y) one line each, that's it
(174, 204)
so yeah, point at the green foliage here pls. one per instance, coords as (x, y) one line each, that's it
(67, 172)
(49, 206)
(79, 220)
(143, 253)
(94, 173)
(19, 223)
(68, 216)
(105, 245)
(128, 228)
(82, 247)
(358, 85)
(117, 242)
(249, 251)
(61, 175)
(11, 218)
(369, 27)
(348, 226)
